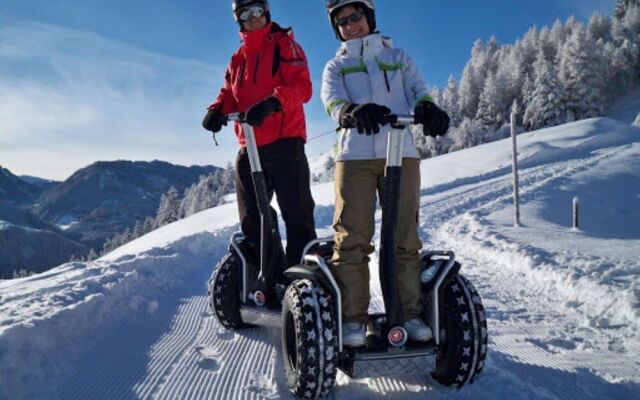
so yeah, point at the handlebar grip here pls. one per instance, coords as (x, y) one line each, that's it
(237, 117)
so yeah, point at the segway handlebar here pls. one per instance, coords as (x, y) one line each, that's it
(237, 117)
(399, 120)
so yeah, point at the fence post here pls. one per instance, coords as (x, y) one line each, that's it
(514, 145)
(576, 209)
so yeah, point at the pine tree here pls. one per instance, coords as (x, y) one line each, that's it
(600, 27)
(92, 255)
(622, 7)
(581, 76)
(470, 133)
(491, 108)
(169, 208)
(451, 101)
(546, 107)
(469, 91)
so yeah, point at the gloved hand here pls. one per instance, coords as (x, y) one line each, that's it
(214, 120)
(367, 118)
(435, 122)
(261, 110)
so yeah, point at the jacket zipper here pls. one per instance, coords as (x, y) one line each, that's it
(244, 65)
(255, 71)
(281, 124)
(386, 80)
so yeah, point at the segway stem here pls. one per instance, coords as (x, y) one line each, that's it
(388, 236)
(270, 246)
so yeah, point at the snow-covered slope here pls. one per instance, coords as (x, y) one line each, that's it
(562, 305)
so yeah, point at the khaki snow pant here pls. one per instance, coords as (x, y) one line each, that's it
(356, 185)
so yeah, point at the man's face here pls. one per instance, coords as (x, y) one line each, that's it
(252, 17)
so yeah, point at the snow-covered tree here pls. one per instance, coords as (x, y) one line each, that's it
(207, 192)
(169, 208)
(599, 27)
(622, 7)
(483, 62)
(451, 101)
(491, 109)
(469, 91)
(470, 133)
(548, 44)
(546, 107)
(558, 36)
(581, 75)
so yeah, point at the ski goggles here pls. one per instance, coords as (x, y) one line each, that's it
(355, 17)
(245, 14)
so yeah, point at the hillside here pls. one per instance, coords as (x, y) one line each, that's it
(562, 305)
(33, 250)
(14, 190)
(105, 198)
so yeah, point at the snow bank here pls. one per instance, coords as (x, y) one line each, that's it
(47, 321)
(567, 279)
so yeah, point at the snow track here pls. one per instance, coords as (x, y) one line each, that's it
(562, 306)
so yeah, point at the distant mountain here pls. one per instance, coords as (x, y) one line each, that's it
(14, 190)
(39, 182)
(105, 198)
(33, 250)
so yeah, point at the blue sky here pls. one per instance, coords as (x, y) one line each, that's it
(82, 81)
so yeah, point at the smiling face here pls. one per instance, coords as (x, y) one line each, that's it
(352, 29)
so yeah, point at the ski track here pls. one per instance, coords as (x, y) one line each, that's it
(179, 351)
(519, 317)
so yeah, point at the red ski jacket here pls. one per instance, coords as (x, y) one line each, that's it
(269, 63)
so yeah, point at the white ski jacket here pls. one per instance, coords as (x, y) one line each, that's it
(369, 70)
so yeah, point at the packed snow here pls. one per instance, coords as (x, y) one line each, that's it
(563, 304)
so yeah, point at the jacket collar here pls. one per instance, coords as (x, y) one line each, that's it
(253, 41)
(366, 47)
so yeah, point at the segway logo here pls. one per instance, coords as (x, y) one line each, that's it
(396, 337)
(260, 298)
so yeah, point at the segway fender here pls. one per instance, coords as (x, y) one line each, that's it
(312, 272)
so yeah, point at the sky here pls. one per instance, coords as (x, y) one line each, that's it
(85, 81)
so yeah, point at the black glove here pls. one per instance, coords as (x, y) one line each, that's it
(367, 118)
(261, 110)
(214, 120)
(435, 122)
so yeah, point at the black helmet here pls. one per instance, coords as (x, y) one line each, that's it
(239, 4)
(367, 5)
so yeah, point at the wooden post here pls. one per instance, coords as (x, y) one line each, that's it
(516, 190)
(576, 209)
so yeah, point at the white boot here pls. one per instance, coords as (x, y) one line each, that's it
(353, 334)
(417, 330)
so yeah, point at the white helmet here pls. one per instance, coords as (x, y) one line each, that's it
(334, 5)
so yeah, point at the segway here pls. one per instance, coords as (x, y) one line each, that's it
(312, 319)
(247, 286)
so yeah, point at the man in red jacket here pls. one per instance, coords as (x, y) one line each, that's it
(268, 78)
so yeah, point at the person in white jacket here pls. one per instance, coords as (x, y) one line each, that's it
(367, 80)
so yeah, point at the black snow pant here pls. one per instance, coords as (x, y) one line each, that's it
(286, 172)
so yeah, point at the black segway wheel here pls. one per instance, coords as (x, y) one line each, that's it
(224, 292)
(309, 339)
(462, 352)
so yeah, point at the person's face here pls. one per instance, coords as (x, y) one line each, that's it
(350, 29)
(254, 23)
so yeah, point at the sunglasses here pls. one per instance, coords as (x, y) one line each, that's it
(245, 14)
(355, 17)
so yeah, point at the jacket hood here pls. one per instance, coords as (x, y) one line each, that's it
(366, 47)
